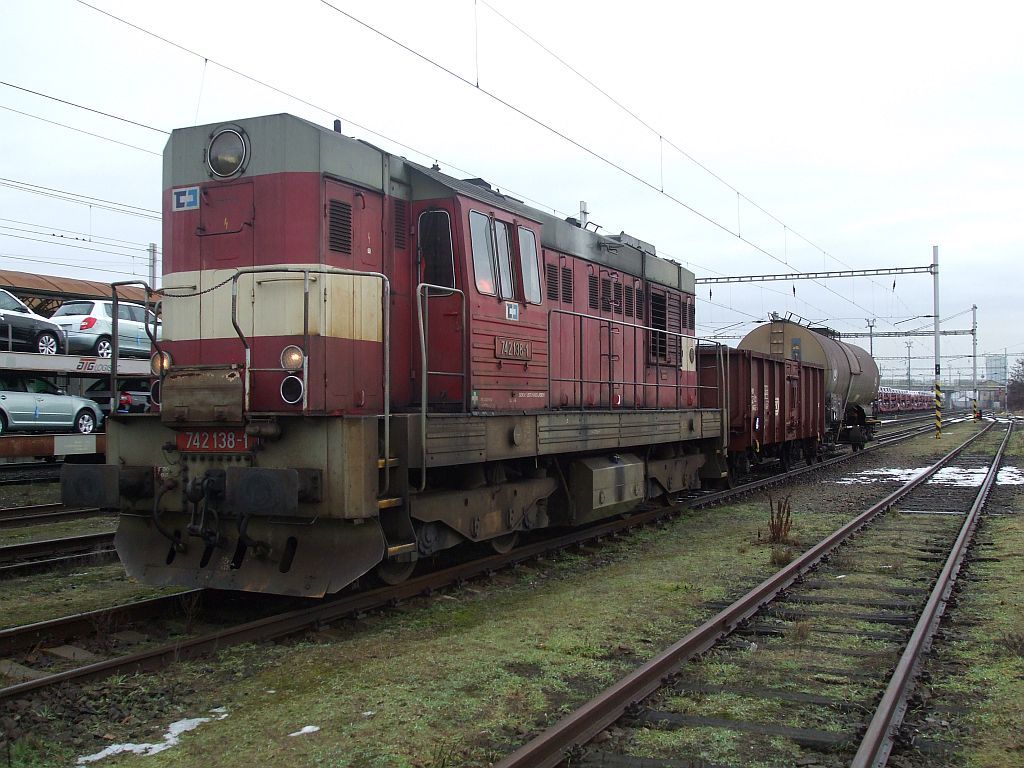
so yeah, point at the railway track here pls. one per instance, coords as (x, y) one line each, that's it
(157, 654)
(41, 514)
(24, 473)
(36, 556)
(871, 608)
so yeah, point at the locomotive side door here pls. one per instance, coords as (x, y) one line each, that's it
(442, 313)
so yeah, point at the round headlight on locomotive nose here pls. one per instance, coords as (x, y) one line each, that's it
(292, 389)
(227, 153)
(292, 358)
(160, 363)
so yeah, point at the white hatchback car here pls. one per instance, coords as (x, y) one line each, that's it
(89, 326)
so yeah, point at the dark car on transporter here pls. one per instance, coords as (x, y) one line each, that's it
(23, 330)
(133, 395)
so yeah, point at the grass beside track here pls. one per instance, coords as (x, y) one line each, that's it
(988, 644)
(80, 588)
(80, 527)
(455, 679)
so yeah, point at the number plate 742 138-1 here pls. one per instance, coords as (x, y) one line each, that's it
(216, 441)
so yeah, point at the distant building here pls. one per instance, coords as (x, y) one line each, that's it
(991, 395)
(995, 368)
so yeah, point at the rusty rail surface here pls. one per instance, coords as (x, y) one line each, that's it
(18, 517)
(26, 636)
(330, 610)
(881, 732)
(550, 747)
(51, 547)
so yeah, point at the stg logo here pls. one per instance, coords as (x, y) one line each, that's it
(185, 199)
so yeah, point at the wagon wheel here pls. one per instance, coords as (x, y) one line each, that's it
(504, 544)
(393, 572)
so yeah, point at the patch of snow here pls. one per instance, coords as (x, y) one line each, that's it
(882, 475)
(1010, 476)
(171, 739)
(369, 713)
(306, 729)
(841, 576)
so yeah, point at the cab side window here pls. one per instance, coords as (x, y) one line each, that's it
(483, 252)
(505, 273)
(529, 265)
(435, 244)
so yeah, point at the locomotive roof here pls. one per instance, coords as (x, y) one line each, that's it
(292, 143)
(621, 252)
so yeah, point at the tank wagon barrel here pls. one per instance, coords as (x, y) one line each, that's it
(851, 374)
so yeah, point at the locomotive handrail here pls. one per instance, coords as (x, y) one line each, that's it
(306, 271)
(611, 381)
(115, 336)
(422, 290)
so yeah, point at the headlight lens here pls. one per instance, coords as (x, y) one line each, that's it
(227, 153)
(292, 358)
(160, 363)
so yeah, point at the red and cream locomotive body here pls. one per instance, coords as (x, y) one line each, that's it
(365, 361)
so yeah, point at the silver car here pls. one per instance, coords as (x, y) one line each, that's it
(89, 326)
(34, 404)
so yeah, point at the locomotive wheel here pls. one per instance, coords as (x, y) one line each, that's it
(393, 572)
(504, 544)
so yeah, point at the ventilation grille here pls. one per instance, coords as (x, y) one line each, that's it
(551, 275)
(630, 299)
(592, 290)
(617, 297)
(639, 303)
(606, 295)
(401, 217)
(567, 285)
(340, 227)
(691, 311)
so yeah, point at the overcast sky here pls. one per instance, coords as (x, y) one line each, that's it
(800, 136)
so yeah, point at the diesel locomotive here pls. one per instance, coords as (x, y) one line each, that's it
(365, 361)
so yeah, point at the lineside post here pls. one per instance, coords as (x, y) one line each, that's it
(938, 385)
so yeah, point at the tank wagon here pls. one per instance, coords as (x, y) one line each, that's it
(365, 361)
(851, 374)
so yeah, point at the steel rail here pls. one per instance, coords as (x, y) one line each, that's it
(17, 517)
(550, 747)
(881, 732)
(20, 638)
(27, 567)
(330, 610)
(47, 547)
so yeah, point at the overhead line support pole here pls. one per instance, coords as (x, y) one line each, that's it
(938, 384)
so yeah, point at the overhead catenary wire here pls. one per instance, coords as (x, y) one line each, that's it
(75, 197)
(512, 107)
(565, 137)
(83, 107)
(77, 232)
(91, 266)
(80, 130)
